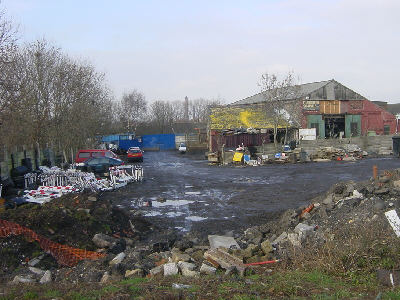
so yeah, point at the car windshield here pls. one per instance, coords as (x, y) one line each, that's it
(109, 154)
(84, 154)
(134, 151)
(97, 154)
(97, 161)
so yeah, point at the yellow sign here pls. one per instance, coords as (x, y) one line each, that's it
(238, 156)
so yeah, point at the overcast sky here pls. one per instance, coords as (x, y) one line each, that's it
(219, 49)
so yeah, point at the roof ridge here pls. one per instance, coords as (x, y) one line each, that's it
(308, 83)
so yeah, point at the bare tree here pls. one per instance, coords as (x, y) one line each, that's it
(279, 100)
(162, 114)
(133, 108)
(54, 100)
(8, 48)
(200, 108)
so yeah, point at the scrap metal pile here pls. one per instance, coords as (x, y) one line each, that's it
(347, 152)
(55, 182)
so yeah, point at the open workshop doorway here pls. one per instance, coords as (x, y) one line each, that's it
(334, 125)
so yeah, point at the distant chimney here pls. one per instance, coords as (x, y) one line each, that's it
(186, 116)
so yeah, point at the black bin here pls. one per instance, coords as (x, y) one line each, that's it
(396, 145)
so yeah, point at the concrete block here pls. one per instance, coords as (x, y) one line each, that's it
(217, 241)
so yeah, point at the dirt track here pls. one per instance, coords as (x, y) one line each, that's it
(212, 199)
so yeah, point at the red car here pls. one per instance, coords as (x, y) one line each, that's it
(135, 155)
(84, 155)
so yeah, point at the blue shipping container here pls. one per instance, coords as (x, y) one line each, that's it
(159, 141)
(126, 144)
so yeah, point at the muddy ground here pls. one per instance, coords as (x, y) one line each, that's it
(187, 194)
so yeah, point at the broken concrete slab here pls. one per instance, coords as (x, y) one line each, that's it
(170, 269)
(37, 271)
(190, 273)
(102, 240)
(46, 278)
(253, 235)
(217, 241)
(134, 273)
(118, 259)
(106, 278)
(283, 237)
(206, 269)
(294, 239)
(22, 279)
(157, 270)
(219, 257)
(186, 266)
(266, 247)
(35, 261)
(178, 256)
(303, 229)
(250, 250)
(394, 221)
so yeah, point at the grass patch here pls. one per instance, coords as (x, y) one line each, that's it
(392, 295)
(134, 280)
(245, 297)
(110, 289)
(229, 287)
(253, 277)
(30, 295)
(52, 294)
(134, 290)
(78, 296)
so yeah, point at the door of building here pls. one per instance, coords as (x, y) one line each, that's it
(352, 125)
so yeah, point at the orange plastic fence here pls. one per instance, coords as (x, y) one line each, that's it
(65, 255)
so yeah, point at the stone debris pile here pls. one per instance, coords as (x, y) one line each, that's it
(347, 203)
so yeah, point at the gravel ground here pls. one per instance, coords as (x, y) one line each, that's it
(187, 194)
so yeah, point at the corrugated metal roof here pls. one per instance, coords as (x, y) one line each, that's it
(303, 90)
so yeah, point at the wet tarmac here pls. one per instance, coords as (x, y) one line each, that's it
(188, 194)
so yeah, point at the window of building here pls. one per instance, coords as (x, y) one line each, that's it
(354, 129)
(316, 126)
(386, 129)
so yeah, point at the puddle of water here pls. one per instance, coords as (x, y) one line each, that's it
(173, 214)
(195, 218)
(152, 214)
(192, 193)
(171, 203)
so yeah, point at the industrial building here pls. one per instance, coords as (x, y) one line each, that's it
(333, 109)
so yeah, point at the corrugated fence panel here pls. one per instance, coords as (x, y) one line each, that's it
(110, 138)
(126, 144)
(159, 141)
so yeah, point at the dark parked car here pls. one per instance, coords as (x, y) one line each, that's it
(134, 154)
(101, 164)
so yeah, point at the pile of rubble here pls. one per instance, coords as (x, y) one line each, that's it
(349, 152)
(345, 204)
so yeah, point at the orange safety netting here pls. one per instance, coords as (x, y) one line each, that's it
(65, 255)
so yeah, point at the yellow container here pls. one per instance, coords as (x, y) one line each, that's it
(238, 156)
